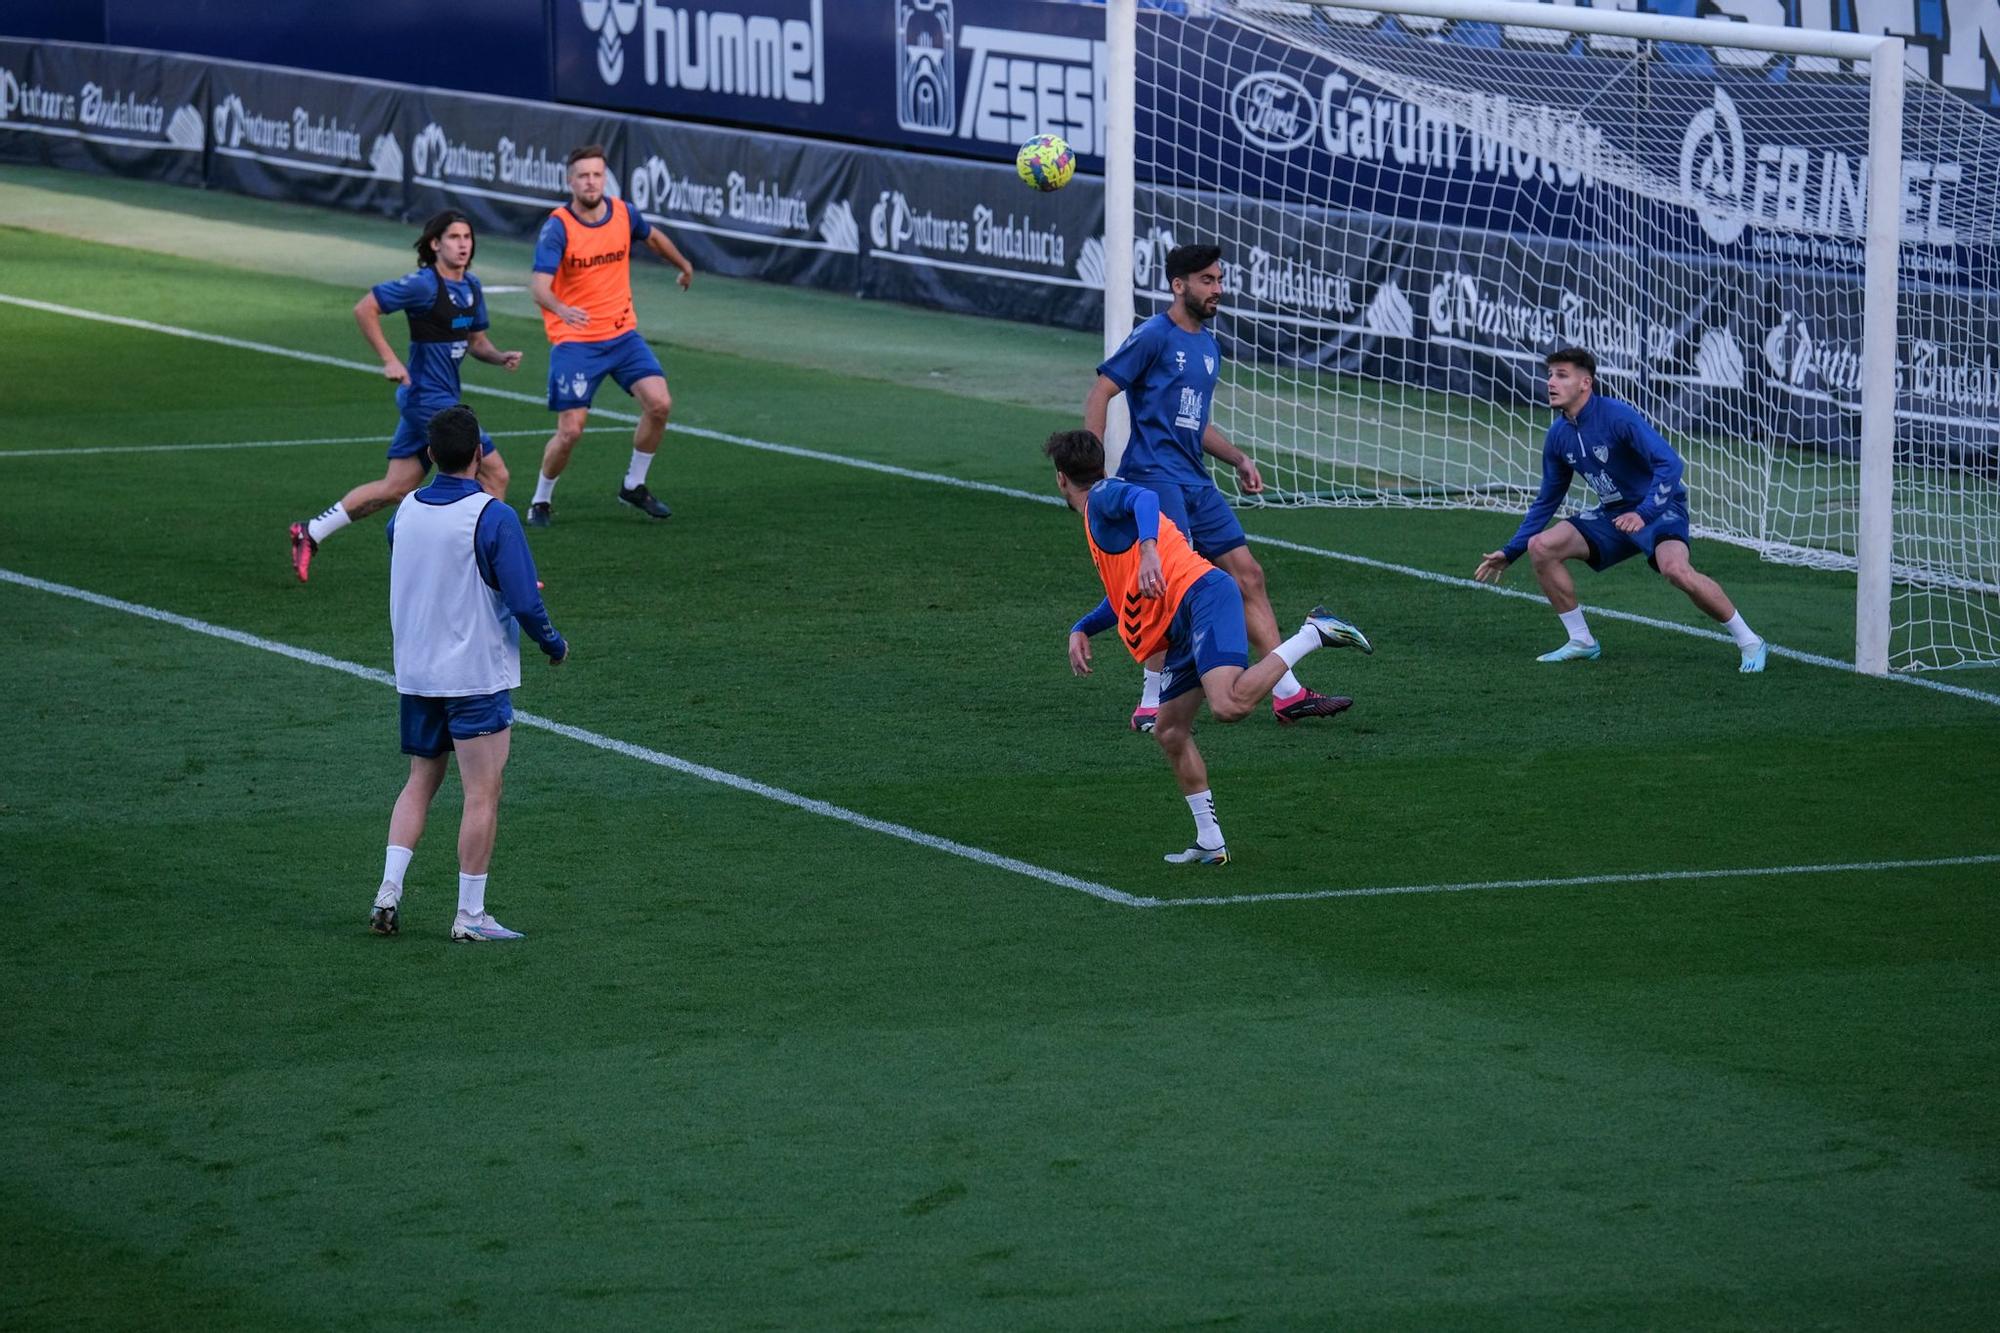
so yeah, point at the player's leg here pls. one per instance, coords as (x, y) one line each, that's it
(1219, 645)
(1551, 550)
(555, 457)
(482, 761)
(404, 474)
(428, 743)
(1671, 558)
(650, 391)
(1173, 728)
(493, 474)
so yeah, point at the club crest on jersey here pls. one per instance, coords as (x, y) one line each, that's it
(1601, 452)
(1208, 364)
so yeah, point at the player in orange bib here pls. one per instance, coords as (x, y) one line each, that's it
(1162, 597)
(583, 283)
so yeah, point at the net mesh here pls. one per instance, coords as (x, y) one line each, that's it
(1415, 212)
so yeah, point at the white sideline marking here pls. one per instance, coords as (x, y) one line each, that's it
(903, 832)
(940, 479)
(642, 753)
(1649, 877)
(243, 444)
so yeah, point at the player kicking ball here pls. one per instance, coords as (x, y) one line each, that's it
(1163, 598)
(1642, 510)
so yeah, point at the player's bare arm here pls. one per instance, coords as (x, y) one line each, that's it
(1217, 446)
(542, 286)
(657, 242)
(1492, 567)
(368, 314)
(481, 347)
(1079, 653)
(1152, 583)
(1097, 404)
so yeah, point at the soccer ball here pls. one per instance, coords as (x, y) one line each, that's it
(1045, 162)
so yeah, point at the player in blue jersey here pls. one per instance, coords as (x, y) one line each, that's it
(1167, 370)
(1641, 510)
(1171, 602)
(461, 590)
(446, 311)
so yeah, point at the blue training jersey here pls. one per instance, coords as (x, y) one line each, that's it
(443, 313)
(1168, 376)
(1614, 447)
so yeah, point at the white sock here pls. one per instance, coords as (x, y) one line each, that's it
(545, 489)
(1149, 696)
(471, 893)
(1207, 832)
(329, 522)
(394, 866)
(1294, 649)
(1742, 633)
(635, 471)
(1287, 686)
(1579, 629)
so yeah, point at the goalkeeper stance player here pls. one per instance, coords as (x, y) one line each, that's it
(1162, 597)
(1641, 510)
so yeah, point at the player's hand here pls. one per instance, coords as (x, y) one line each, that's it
(510, 361)
(1152, 583)
(1079, 653)
(558, 661)
(1628, 523)
(395, 371)
(686, 277)
(1248, 479)
(1492, 567)
(574, 316)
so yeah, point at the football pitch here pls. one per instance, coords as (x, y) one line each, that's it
(1635, 993)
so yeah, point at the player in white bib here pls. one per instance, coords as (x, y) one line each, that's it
(461, 588)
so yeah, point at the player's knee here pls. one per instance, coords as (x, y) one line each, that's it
(494, 473)
(1682, 576)
(659, 406)
(1229, 710)
(1542, 548)
(1250, 579)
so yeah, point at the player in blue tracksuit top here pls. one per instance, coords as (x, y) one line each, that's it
(1641, 509)
(446, 311)
(1167, 371)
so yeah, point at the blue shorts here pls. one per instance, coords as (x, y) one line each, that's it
(430, 725)
(576, 369)
(412, 439)
(1207, 632)
(1608, 545)
(1199, 511)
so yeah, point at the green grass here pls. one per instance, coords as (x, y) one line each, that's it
(757, 1068)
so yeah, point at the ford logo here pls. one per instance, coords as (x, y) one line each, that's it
(1272, 110)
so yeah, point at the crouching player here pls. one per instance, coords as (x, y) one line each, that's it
(1161, 596)
(461, 588)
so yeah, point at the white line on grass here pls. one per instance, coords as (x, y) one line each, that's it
(949, 846)
(642, 753)
(205, 447)
(940, 479)
(1575, 881)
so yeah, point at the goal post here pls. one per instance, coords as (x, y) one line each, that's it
(1418, 199)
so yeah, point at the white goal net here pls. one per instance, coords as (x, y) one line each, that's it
(1415, 211)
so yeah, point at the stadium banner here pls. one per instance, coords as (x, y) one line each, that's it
(502, 163)
(310, 138)
(747, 205)
(103, 109)
(966, 77)
(968, 236)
